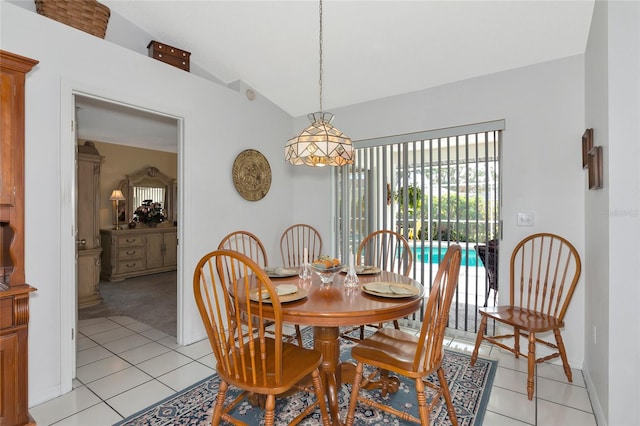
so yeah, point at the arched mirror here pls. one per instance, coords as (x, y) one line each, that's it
(149, 187)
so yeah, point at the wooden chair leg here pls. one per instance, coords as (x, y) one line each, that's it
(396, 324)
(563, 355)
(219, 407)
(298, 335)
(422, 402)
(270, 410)
(516, 341)
(362, 332)
(479, 337)
(447, 397)
(355, 390)
(317, 386)
(531, 363)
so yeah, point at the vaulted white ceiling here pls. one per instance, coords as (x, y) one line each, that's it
(372, 49)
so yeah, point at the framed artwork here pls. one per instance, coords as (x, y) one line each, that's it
(587, 144)
(595, 168)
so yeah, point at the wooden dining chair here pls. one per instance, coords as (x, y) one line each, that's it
(250, 245)
(225, 283)
(293, 242)
(246, 243)
(389, 251)
(544, 271)
(415, 357)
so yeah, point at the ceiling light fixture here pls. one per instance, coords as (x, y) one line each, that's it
(320, 144)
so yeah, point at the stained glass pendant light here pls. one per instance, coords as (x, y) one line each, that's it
(320, 144)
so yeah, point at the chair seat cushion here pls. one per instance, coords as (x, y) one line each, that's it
(303, 360)
(525, 319)
(389, 349)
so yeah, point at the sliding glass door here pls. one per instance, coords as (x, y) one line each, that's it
(434, 188)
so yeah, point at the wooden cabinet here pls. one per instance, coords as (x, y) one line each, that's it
(170, 55)
(130, 253)
(14, 291)
(89, 244)
(162, 250)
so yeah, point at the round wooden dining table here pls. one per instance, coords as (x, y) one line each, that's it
(329, 307)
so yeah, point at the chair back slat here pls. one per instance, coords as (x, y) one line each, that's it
(544, 270)
(293, 242)
(387, 250)
(436, 314)
(227, 284)
(246, 243)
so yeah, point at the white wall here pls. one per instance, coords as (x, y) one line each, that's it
(624, 212)
(218, 124)
(543, 106)
(612, 109)
(596, 218)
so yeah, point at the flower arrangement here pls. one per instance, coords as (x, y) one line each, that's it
(149, 213)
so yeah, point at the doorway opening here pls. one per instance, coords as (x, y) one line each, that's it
(126, 138)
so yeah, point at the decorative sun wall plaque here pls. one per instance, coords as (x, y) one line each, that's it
(251, 175)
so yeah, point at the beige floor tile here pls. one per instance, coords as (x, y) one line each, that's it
(186, 375)
(64, 406)
(140, 397)
(98, 415)
(119, 382)
(164, 363)
(102, 368)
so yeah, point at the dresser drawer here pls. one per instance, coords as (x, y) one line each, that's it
(129, 253)
(130, 241)
(132, 265)
(170, 55)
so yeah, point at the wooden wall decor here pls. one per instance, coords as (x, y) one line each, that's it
(587, 144)
(595, 168)
(592, 160)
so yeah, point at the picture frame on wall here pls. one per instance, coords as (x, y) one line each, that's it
(587, 145)
(595, 168)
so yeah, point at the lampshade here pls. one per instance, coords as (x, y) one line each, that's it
(320, 144)
(117, 195)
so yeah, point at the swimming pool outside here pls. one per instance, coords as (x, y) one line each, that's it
(433, 254)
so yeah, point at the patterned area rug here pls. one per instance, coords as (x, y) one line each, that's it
(470, 388)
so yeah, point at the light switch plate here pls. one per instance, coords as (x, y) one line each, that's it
(524, 219)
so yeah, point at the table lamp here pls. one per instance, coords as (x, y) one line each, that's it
(116, 197)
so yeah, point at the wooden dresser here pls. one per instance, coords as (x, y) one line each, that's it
(130, 253)
(14, 291)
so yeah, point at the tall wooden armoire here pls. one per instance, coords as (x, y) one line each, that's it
(89, 249)
(14, 291)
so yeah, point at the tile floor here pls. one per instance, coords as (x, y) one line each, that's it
(124, 366)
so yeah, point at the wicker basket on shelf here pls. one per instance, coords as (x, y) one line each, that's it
(86, 15)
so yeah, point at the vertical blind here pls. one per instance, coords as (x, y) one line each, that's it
(142, 193)
(434, 188)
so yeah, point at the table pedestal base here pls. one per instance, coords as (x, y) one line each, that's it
(335, 373)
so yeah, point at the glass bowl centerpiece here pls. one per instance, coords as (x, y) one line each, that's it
(326, 268)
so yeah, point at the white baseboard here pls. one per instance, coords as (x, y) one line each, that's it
(593, 396)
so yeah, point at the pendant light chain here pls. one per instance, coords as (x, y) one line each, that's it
(320, 144)
(320, 55)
